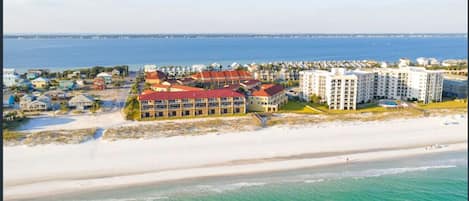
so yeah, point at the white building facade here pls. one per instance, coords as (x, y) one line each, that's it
(342, 89)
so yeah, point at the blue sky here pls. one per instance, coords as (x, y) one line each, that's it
(240, 16)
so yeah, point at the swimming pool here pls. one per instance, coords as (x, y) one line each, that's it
(388, 103)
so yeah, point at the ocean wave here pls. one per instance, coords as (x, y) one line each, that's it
(313, 181)
(228, 187)
(393, 171)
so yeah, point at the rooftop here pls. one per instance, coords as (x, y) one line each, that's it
(268, 90)
(231, 75)
(217, 93)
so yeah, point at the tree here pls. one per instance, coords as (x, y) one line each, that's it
(315, 98)
(146, 86)
(132, 108)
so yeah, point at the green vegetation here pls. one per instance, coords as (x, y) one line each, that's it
(12, 135)
(63, 107)
(298, 107)
(92, 72)
(453, 104)
(96, 106)
(132, 108)
(315, 99)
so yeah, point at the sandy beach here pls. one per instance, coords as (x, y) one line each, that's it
(46, 170)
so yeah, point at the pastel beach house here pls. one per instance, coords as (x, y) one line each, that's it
(40, 83)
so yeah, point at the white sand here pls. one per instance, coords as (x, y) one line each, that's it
(50, 169)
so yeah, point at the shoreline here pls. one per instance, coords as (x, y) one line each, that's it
(99, 165)
(115, 182)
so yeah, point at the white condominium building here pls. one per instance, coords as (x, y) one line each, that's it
(344, 89)
(341, 90)
(412, 83)
(425, 85)
(338, 88)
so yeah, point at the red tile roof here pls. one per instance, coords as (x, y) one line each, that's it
(155, 75)
(185, 88)
(250, 82)
(222, 75)
(268, 90)
(217, 93)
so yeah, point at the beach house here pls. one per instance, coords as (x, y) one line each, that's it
(99, 83)
(10, 77)
(30, 103)
(191, 103)
(40, 83)
(67, 84)
(269, 98)
(81, 102)
(107, 78)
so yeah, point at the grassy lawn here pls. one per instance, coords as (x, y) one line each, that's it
(297, 107)
(453, 104)
(370, 107)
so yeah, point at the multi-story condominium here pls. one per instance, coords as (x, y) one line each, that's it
(337, 88)
(218, 79)
(9, 77)
(341, 90)
(424, 85)
(269, 98)
(344, 89)
(191, 103)
(412, 83)
(313, 82)
(365, 86)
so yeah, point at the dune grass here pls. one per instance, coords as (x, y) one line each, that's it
(452, 104)
(297, 107)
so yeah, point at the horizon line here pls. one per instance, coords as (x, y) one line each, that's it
(232, 33)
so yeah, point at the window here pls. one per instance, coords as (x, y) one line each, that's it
(225, 111)
(187, 113)
(160, 114)
(237, 110)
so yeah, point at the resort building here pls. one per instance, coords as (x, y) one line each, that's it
(269, 98)
(107, 78)
(408, 83)
(191, 103)
(342, 89)
(40, 83)
(155, 77)
(218, 79)
(10, 77)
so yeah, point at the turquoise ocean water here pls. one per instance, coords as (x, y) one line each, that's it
(440, 177)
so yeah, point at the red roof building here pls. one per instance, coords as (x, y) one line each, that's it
(160, 105)
(268, 90)
(269, 98)
(216, 93)
(155, 77)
